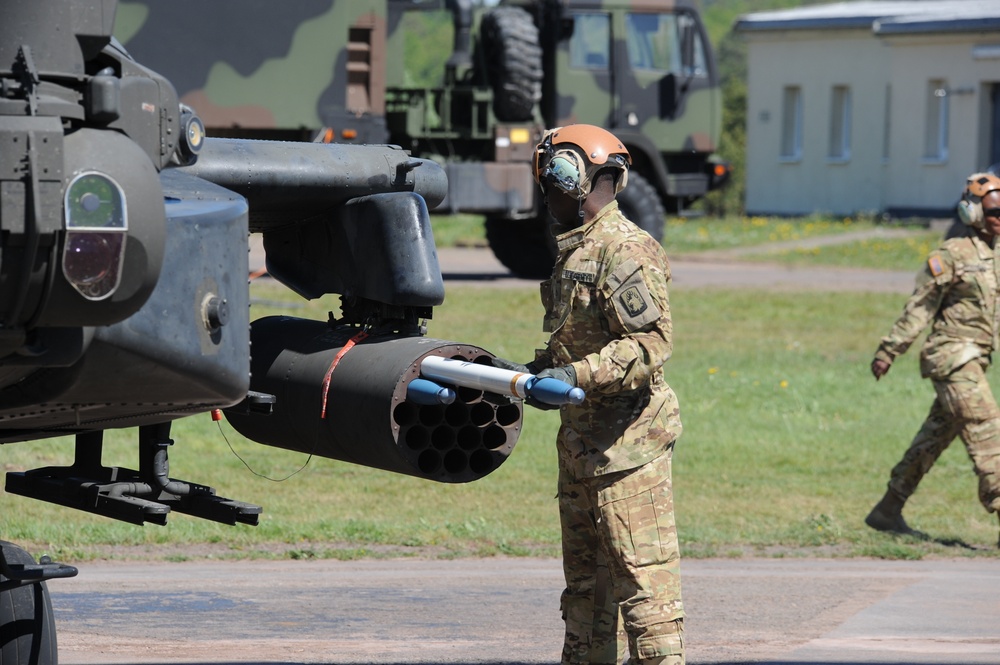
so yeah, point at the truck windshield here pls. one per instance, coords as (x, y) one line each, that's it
(655, 43)
(589, 47)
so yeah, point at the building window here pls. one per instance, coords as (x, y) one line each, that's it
(791, 123)
(589, 48)
(886, 123)
(840, 123)
(936, 132)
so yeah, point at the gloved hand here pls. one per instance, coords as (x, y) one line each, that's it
(503, 363)
(565, 374)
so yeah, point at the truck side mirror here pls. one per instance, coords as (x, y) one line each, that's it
(565, 29)
(670, 96)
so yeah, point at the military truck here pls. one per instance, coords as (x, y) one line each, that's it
(325, 70)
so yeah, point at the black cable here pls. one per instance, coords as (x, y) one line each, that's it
(260, 475)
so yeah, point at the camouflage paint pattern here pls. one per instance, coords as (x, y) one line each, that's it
(956, 295)
(601, 96)
(632, 101)
(608, 313)
(282, 70)
(279, 65)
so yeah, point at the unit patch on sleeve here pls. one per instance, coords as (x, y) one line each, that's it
(935, 266)
(630, 297)
(633, 301)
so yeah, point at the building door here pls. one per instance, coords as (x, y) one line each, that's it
(994, 123)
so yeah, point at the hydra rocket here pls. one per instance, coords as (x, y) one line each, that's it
(502, 381)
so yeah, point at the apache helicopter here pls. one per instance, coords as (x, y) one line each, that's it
(124, 297)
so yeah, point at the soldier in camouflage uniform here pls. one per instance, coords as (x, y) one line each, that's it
(957, 295)
(608, 313)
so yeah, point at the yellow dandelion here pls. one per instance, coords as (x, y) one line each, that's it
(783, 384)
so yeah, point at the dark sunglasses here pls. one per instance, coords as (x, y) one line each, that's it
(991, 212)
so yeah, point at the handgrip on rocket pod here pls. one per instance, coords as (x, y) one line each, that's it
(502, 381)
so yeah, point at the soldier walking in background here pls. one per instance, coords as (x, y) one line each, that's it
(957, 295)
(608, 315)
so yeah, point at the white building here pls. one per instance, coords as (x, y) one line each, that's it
(861, 107)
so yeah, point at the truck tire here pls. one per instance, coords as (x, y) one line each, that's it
(513, 61)
(27, 625)
(641, 204)
(523, 246)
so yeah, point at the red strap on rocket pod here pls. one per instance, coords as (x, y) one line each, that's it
(336, 360)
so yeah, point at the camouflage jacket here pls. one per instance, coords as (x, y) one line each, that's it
(607, 310)
(956, 294)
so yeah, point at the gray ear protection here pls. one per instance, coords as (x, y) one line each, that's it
(970, 210)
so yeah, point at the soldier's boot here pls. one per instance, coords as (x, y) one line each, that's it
(887, 515)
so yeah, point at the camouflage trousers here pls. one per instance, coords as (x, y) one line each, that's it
(965, 407)
(620, 551)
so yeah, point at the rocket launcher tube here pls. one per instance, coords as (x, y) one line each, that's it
(501, 381)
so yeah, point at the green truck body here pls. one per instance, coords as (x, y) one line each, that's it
(337, 70)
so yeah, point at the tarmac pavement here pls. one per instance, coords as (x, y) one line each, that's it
(793, 611)
(478, 266)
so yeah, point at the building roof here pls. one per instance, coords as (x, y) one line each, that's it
(883, 17)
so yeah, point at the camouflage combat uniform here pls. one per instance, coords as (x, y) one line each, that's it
(607, 310)
(957, 295)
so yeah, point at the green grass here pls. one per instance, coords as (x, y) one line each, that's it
(906, 252)
(686, 235)
(788, 442)
(682, 235)
(885, 253)
(458, 231)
